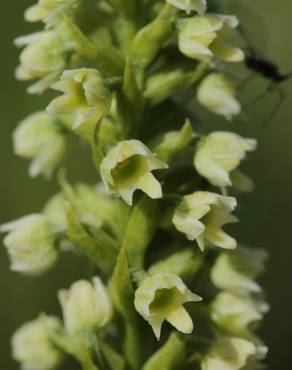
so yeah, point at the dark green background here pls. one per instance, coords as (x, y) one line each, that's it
(265, 215)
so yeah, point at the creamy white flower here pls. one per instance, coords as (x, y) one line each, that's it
(86, 95)
(217, 94)
(199, 6)
(40, 137)
(31, 345)
(201, 215)
(233, 313)
(30, 244)
(160, 298)
(219, 154)
(86, 306)
(127, 167)
(228, 354)
(48, 10)
(236, 271)
(203, 37)
(41, 56)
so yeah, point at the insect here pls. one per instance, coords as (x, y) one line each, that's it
(257, 64)
(265, 68)
(270, 71)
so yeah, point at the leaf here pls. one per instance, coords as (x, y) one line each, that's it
(106, 58)
(114, 359)
(169, 357)
(130, 100)
(139, 230)
(100, 249)
(183, 263)
(122, 292)
(174, 142)
(125, 7)
(151, 38)
(97, 245)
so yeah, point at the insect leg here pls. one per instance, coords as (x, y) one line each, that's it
(281, 97)
(245, 81)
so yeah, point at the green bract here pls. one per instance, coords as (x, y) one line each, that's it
(130, 74)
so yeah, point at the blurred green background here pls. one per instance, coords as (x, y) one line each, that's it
(265, 215)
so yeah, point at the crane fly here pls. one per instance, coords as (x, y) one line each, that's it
(257, 64)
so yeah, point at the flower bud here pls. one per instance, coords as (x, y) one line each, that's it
(199, 6)
(219, 154)
(40, 137)
(31, 345)
(48, 10)
(201, 215)
(234, 313)
(85, 94)
(86, 306)
(217, 94)
(30, 244)
(228, 354)
(43, 54)
(127, 167)
(161, 297)
(202, 37)
(235, 271)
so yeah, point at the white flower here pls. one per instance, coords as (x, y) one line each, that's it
(228, 354)
(48, 10)
(127, 167)
(201, 215)
(199, 6)
(217, 94)
(161, 297)
(85, 94)
(235, 271)
(40, 137)
(30, 244)
(31, 345)
(233, 313)
(86, 306)
(219, 154)
(41, 56)
(202, 37)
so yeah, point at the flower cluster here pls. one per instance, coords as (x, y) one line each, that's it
(152, 227)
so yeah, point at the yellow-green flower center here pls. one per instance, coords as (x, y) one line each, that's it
(165, 300)
(130, 170)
